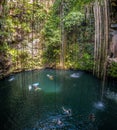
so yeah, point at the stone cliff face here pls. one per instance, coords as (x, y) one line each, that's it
(23, 50)
(113, 30)
(113, 11)
(113, 41)
(5, 64)
(4, 60)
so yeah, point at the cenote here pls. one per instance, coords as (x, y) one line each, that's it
(70, 100)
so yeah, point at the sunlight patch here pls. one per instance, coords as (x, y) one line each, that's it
(99, 105)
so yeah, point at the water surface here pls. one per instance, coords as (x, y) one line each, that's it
(25, 108)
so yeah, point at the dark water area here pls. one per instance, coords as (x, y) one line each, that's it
(57, 100)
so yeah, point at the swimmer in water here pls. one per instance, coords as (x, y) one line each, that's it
(11, 79)
(50, 77)
(67, 112)
(92, 117)
(36, 87)
(59, 122)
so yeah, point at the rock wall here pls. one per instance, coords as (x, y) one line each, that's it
(113, 29)
(5, 64)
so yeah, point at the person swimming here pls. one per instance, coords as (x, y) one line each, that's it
(92, 117)
(11, 79)
(37, 88)
(75, 75)
(67, 111)
(50, 77)
(59, 122)
(34, 86)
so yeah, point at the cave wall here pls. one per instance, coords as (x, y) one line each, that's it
(113, 29)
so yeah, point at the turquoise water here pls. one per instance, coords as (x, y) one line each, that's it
(61, 100)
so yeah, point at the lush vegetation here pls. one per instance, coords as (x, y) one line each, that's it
(112, 70)
(21, 24)
(33, 34)
(77, 36)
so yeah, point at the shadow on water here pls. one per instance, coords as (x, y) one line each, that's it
(57, 100)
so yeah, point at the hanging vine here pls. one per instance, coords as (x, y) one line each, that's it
(101, 10)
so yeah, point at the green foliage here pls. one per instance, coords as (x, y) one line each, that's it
(21, 20)
(77, 55)
(52, 46)
(73, 19)
(14, 54)
(87, 62)
(18, 22)
(23, 56)
(4, 47)
(51, 33)
(112, 70)
(78, 58)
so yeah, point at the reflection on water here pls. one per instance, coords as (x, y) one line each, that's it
(62, 103)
